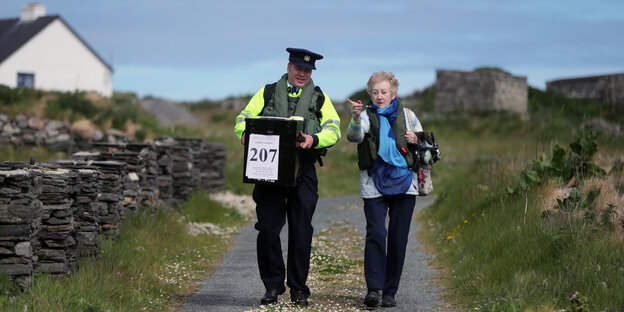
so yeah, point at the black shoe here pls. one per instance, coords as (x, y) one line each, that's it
(270, 296)
(298, 298)
(372, 298)
(387, 300)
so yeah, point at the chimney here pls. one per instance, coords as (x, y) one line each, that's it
(32, 11)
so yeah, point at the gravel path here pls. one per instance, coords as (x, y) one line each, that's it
(236, 286)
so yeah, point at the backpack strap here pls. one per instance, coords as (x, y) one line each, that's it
(269, 89)
(268, 92)
(319, 102)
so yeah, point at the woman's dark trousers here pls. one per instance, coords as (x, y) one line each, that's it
(383, 264)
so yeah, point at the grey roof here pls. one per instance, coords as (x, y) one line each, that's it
(15, 33)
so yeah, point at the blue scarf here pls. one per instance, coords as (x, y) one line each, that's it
(389, 172)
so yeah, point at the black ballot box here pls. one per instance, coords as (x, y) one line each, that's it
(270, 151)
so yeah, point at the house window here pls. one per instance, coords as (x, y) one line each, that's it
(26, 80)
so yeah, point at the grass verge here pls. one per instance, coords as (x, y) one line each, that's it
(23, 154)
(503, 254)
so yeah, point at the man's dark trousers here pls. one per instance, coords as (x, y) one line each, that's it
(275, 204)
(383, 266)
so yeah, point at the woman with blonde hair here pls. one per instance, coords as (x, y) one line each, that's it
(388, 183)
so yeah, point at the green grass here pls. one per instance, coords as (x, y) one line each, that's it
(23, 154)
(195, 210)
(154, 263)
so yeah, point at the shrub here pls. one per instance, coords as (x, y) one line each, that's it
(73, 104)
(16, 101)
(9, 96)
(575, 164)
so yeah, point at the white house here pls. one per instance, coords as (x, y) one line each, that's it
(44, 52)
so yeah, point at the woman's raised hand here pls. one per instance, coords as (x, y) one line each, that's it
(356, 109)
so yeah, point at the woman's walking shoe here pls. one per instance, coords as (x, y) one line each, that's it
(387, 300)
(372, 298)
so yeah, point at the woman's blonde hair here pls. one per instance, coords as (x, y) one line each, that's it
(382, 76)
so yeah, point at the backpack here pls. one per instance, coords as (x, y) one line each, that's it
(269, 89)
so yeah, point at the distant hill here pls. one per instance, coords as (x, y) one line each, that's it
(169, 112)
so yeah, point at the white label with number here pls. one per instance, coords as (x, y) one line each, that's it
(262, 157)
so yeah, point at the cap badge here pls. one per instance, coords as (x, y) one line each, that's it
(306, 58)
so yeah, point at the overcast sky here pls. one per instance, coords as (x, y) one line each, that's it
(192, 50)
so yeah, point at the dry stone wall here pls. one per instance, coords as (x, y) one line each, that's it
(54, 134)
(56, 245)
(211, 166)
(20, 218)
(52, 213)
(164, 162)
(480, 90)
(85, 199)
(192, 163)
(128, 181)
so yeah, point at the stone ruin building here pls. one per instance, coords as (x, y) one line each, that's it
(607, 88)
(480, 90)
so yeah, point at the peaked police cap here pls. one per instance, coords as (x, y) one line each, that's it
(303, 57)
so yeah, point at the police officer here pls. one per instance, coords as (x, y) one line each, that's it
(294, 94)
